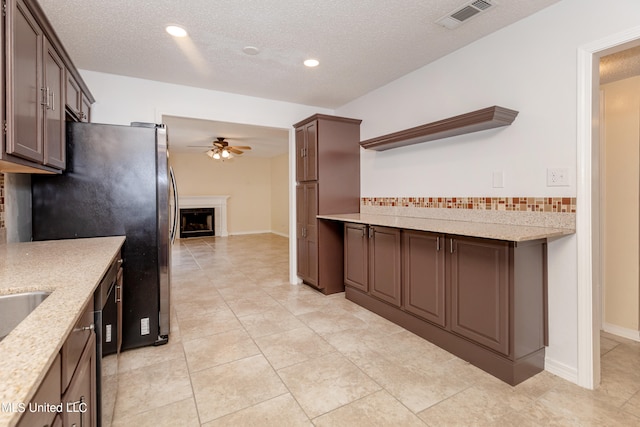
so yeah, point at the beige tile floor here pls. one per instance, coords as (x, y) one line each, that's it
(248, 349)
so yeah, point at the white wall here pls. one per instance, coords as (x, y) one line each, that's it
(247, 181)
(620, 209)
(121, 100)
(530, 66)
(280, 195)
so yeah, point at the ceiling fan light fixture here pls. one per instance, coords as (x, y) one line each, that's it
(216, 155)
(225, 153)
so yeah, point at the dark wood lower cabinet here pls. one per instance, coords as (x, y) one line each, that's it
(423, 279)
(356, 255)
(479, 286)
(372, 261)
(307, 232)
(384, 264)
(483, 300)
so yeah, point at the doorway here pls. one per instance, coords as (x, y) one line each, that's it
(619, 192)
(589, 251)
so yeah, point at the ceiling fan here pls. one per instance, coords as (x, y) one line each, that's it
(221, 149)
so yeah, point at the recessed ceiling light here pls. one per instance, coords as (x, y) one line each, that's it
(251, 50)
(311, 63)
(176, 31)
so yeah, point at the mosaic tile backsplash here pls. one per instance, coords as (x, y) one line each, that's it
(1, 200)
(516, 204)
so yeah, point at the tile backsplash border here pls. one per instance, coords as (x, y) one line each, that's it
(556, 212)
(3, 230)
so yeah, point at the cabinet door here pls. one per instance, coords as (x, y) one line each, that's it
(24, 84)
(300, 145)
(311, 152)
(479, 285)
(384, 264)
(54, 125)
(307, 153)
(73, 95)
(48, 393)
(423, 282)
(356, 256)
(85, 110)
(307, 232)
(79, 401)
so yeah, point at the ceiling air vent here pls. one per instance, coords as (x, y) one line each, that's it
(462, 14)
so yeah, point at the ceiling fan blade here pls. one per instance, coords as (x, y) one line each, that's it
(219, 144)
(242, 147)
(234, 150)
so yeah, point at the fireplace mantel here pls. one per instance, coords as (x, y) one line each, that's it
(219, 203)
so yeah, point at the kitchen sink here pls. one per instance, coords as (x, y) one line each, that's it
(15, 307)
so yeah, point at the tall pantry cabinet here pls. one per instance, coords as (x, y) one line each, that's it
(328, 182)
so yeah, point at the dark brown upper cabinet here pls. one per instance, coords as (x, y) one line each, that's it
(35, 70)
(307, 152)
(78, 104)
(487, 118)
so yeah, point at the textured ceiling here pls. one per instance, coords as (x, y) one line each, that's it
(620, 65)
(361, 44)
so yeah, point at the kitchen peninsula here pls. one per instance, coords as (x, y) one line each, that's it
(477, 290)
(70, 270)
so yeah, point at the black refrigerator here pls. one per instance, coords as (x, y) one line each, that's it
(117, 182)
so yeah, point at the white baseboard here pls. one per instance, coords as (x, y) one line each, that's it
(243, 233)
(562, 370)
(631, 334)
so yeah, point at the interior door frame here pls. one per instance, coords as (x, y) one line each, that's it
(588, 209)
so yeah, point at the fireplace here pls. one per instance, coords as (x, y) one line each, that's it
(197, 222)
(218, 203)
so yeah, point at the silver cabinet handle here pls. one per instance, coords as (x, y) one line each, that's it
(451, 245)
(91, 327)
(45, 97)
(438, 243)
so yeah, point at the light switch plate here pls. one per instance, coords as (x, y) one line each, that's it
(557, 177)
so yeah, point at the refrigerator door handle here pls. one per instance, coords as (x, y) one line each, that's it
(174, 226)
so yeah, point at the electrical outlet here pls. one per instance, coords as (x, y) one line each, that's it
(144, 326)
(107, 335)
(557, 177)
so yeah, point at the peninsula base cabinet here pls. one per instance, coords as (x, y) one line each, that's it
(483, 300)
(67, 395)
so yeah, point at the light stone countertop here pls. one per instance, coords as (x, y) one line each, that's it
(71, 270)
(513, 233)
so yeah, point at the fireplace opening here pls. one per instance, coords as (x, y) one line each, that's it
(197, 222)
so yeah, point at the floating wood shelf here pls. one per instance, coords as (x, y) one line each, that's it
(487, 118)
